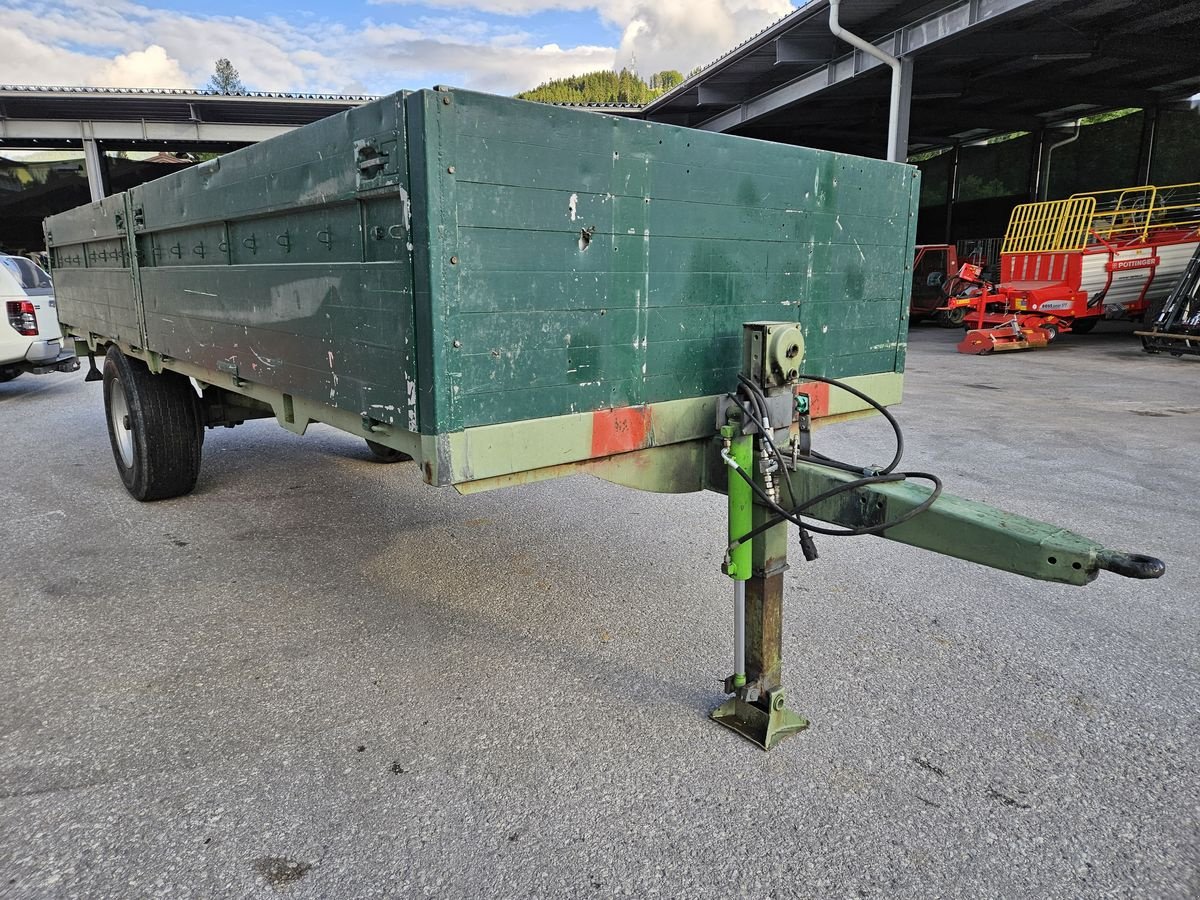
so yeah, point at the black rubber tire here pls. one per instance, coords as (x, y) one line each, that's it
(387, 454)
(8, 374)
(1051, 333)
(1084, 326)
(1153, 311)
(953, 318)
(164, 422)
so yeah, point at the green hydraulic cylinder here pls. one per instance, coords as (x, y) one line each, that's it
(741, 502)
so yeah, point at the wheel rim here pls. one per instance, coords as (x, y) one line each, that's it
(118, 414)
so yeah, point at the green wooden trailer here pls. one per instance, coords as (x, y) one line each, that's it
(506, 291)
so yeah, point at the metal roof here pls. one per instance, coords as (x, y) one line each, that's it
(41, 103)
(981, 67)
(57, 90)
(616, 109)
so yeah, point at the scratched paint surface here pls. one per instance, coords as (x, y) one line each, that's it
(602, 262)
(443, 261)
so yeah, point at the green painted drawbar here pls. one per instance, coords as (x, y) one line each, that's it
(505, 290)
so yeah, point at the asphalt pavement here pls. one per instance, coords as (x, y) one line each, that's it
(318, 677)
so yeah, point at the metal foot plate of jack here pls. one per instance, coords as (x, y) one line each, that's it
(765, 727)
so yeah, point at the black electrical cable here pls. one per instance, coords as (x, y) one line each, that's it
(883, 410)
(756, 398)
(782, 515)
(754, 391)
(882, 526)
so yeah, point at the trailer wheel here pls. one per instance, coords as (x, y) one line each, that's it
(953, 318)
(1051, 333)
(386, 454)
(1084, 326)
(154, 426)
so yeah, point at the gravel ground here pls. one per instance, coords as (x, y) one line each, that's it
(318, 677)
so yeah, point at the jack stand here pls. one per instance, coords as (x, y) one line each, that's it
(93, 373)
(756, 711)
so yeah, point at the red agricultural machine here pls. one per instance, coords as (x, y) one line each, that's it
(1067, 264)
(934, 272)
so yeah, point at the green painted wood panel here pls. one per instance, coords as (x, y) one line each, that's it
(607, 261)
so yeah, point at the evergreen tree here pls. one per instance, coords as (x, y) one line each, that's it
(604, 86)
(665, 80)
(225, 79)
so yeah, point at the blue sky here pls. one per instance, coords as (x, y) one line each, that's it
(563, 26)
(364, 46)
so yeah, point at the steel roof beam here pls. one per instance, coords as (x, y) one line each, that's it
(908, 40)
(12, 130)
(720, 95)
(791, 50)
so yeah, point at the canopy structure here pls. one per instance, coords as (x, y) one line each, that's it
(977, 68)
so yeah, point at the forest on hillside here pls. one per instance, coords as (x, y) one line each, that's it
(604, 87)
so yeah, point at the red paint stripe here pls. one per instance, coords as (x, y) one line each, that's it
(620, 430)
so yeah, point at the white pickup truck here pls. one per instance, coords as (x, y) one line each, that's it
(30, 340)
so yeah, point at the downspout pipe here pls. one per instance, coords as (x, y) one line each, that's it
(835, 27)
(1050, 153)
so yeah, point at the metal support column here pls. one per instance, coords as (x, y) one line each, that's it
(952, 192)
(1149, 139)
(764, 608)
(757, 711)
(1035, 166)
(94, 162)
(901, 84)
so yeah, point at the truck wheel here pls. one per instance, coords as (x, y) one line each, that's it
(387, 454)
(154, 426)
(8, 374)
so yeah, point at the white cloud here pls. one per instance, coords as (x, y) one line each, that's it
(498, 7)
(140, 68)
(129, 44)
(682, 34)
(656, 34)
(26, 61)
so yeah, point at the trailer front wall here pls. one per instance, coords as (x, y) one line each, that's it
(581, 262)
